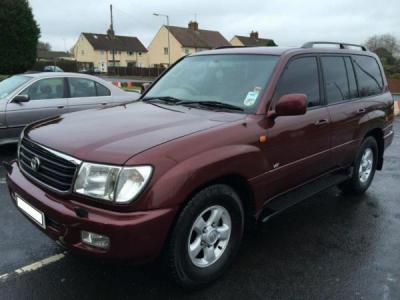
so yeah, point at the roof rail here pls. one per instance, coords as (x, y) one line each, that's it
(227, 47)
(341, 45)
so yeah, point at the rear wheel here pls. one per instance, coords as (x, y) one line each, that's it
(364, 168)
(206, 237)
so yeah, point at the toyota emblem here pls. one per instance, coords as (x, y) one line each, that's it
(35, 163)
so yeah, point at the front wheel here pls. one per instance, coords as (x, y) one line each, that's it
(364, 168)
(206, 236)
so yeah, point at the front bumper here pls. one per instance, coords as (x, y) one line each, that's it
(135, 236)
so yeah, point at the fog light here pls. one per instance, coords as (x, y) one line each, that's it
(95, 240)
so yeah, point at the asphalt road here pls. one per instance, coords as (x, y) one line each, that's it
(329, 247)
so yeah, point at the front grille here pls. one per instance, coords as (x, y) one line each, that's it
(53, 170)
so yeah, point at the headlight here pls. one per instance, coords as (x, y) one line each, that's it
(111, 183)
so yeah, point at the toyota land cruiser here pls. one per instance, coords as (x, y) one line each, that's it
(224, 138)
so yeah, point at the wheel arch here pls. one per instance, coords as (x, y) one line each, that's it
(240, 185)
(377, 134)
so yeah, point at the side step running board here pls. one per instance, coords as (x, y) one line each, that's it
(297, 195)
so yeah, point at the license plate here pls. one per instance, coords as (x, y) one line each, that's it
(33, 213)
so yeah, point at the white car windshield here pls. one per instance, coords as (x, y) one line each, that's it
(9, 85)
(233, 79)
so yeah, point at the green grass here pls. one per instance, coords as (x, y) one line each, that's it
(131, 89)
(2, 77)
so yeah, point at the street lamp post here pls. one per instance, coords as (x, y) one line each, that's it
(169, 48)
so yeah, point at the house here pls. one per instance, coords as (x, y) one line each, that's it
(107, 50)
(183, 41)
(51, 56)
(251, 41)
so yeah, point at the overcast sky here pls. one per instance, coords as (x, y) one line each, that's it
(289, 23)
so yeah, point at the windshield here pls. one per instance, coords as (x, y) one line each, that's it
(232, 79)
(7, 86)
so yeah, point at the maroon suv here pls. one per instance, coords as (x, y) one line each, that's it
(224, 138)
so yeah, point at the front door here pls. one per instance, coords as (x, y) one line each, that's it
(46, 98)
(298, 147)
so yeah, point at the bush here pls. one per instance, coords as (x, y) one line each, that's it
(19, 35)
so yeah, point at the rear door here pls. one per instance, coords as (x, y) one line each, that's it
(347, 110)
(85, 93)
(298, 146)
(47, 97)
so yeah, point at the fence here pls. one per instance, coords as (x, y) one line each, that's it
(394, 86)
(66, 65)
(136, 71)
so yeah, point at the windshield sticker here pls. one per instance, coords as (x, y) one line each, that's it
(251, 98)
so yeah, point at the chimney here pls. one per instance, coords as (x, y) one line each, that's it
(254, 35)
(193, 25)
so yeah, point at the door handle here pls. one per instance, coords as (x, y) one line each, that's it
(60, 107)
(321, 122)
(361, 111)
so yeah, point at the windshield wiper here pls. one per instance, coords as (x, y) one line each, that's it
(213, 104)
(167, 99)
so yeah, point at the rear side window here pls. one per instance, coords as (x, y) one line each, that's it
(102, 90)
(81, 87)
(337, 86)
(369, 76)
(351, 77)
(301, 76)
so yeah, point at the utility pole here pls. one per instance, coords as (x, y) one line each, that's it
(111, 35)
(169, 46)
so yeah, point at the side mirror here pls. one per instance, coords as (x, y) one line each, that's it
(21, 98)
(145, 86)
(291, 105)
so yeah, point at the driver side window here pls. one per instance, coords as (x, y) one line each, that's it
(49, 88)
(301, 77)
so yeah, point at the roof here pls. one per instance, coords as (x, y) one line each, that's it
(200, 38)
(117, 43)
(255, 42)
(44, 54)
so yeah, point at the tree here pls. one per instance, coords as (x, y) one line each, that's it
(386, 41)
(19, 36)
(43, 46)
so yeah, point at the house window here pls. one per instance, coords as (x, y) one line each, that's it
(82, 52)
(165, 50)
(140, 53)
(102, 52)
(119, 52)
(186, 51)
(130, 53)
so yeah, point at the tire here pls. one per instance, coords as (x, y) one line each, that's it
(222, 204)
(360, 180)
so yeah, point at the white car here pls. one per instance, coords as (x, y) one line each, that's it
(27, 98)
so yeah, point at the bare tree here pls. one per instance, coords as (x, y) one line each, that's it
(43, 46)
(385, 41)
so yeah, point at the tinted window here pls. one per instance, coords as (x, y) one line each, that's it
(368, 74)
(81, 87)
(301, 76)
(102, 90)
(49, 88)
(335, 76)
(351, 77)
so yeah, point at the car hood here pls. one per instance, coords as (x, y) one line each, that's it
(113, 135)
